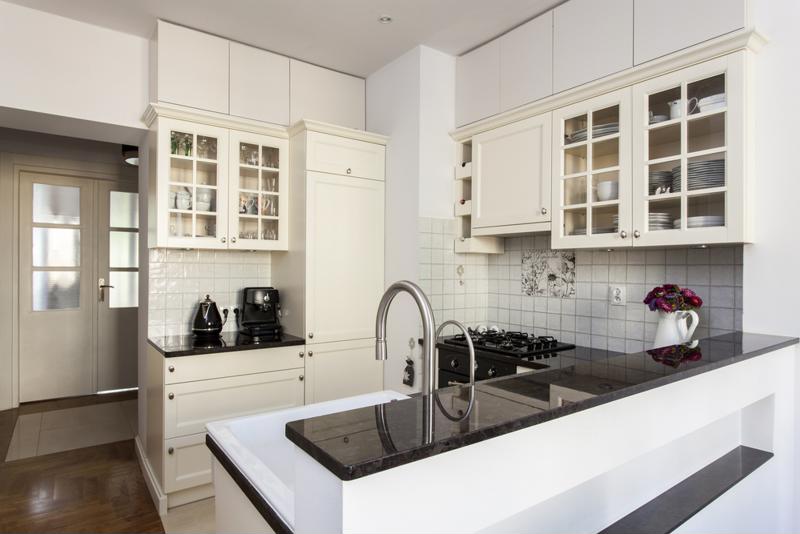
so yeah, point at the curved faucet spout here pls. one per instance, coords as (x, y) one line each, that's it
(428, 329)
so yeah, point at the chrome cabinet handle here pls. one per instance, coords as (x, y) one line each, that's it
(636, 234)
(623, 234)
(349, 170)
(171, 396)
(222, 239)
(301, 378)
(171, 368)
(171, 450)
(544, 211)
(233, 239)
(311, 335)
(302, 354)
(311, 354)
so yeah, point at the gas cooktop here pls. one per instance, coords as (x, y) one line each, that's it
(518, 344)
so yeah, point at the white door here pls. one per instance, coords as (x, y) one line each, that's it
(344, 256)
(56, 287)
(118, 285)
(511, 181)
(76, 338)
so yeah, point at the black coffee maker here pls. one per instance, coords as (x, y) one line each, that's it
(260, 312)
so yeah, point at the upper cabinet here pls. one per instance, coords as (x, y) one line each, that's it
(526, 62)
(592, 39)
(192, 68)
(328, 96)
(259, 84)
(478, 83)
(660, 28)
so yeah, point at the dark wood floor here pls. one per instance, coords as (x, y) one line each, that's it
(95, 489)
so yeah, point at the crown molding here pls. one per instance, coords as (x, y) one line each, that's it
(159, 109)
(340, 131)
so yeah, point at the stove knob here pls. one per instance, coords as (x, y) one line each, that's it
(454, 363)
(492, 372)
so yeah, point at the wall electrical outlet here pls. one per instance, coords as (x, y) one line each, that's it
(616, 295)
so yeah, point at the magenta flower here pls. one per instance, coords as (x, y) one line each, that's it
(670, 297)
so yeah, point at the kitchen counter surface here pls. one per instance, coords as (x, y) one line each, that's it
(172, 346)
(364, 441)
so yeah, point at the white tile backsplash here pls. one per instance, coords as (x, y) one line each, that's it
(179, 279)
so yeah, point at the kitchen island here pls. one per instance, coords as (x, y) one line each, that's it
(574, 448)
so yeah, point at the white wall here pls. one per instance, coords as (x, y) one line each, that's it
(393, 103)
(58, 66)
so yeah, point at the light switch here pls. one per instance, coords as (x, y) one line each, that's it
(616, 295)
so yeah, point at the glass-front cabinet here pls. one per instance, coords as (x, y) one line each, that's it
(257, 206)
(656, 164)
(218, 188)
(688, 155)
(591, 172)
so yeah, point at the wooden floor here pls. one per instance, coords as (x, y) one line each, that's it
(95, 489)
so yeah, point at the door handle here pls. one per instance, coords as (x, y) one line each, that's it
(101, 284)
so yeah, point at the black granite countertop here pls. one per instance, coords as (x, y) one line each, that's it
(172, 346)
(364, 441)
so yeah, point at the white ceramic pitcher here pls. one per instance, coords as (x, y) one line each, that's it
(673, 328)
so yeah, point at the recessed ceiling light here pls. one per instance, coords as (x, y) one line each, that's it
(385, 19)
(130, 154)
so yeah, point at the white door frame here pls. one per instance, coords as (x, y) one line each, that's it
(11, 165)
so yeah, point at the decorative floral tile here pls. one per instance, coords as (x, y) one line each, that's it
(548, 273)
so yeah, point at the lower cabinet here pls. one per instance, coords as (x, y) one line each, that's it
(187, 463)
(342, 369)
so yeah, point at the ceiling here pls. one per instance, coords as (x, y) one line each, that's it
(339, 34)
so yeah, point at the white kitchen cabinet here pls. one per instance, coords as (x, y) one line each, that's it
(592, 39)
(187, 463)
(259, 84)
(526, 62)
(478, 83)
(192, 68)
(338, 155)
(511, 178)
(217, 188)
(257, 192)
(661, 29)
(325, 95)
(591, 189)
(342, 369)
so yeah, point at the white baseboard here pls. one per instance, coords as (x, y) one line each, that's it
(158, 496)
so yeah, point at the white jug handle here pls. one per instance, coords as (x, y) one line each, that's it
(692, 108)
(693, 326)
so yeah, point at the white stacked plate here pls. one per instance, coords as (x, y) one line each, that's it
(702, 174)
(710, 103)
(701, 221)
(598, 130)
(660, 179)
(660, 221)
(579, 231)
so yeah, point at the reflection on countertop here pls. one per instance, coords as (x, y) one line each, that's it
(360, 442)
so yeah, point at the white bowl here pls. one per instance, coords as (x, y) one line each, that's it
(607, 190)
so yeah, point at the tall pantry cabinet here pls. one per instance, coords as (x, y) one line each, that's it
(332, 276)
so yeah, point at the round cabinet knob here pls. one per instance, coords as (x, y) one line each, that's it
(623, 234)
(222, 239)
(302, 354)
(454, 363)
(636, 234)
(349, 170)
(171, 450)
(171, 396)
(301, 378)
(233, 239)
(171, 368)
(544, 211)
(492, 372)
(311, 335)
(311, 354)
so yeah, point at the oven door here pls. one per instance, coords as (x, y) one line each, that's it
(446, 379)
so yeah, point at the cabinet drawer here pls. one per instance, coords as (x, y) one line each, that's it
(337, 155)
(187, 463)
(190, 405)
(208, 366)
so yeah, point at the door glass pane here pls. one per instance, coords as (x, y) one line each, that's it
(575, 221)
(575, 160)
(705, 172)
(206, 147)
(706, 95)
(605, 122)
(662, 179)
(123, 248)
(125, 293)
(248, 154)
(270, 157)
(206, 173)
(664, 214)
(664, 141)
(605, 154)
(56, 290)
(706, 210)
(124, 210)
(205, 226)
(181, 144)
(56, 247)
(575, 190)
(56, 204)
(605, 186)
(269, 230)
(605, 220)
(180, 225)
(180, 171)
(269, 205)
(664, 106)
(269, 181)
(248, 178)
(575, 130)
(706, 132)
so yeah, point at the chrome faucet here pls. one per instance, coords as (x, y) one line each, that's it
(428, 330)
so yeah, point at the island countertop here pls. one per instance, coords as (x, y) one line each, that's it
(364, 441)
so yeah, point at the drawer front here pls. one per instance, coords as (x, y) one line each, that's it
(187, 463)
(208, 366)
(189, 406)
(337, 155)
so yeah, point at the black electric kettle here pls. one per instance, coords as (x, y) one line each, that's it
(207, 321)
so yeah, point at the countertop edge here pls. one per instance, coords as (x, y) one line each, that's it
(293, 341)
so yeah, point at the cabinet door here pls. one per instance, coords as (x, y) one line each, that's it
(592, 173)
(344, 369)
(193, 404)
(688, 155)
(661, 29)
(344, 256)
(478, 83)
(187, 463)
(526, 62)
(258, 204)
(591, 39)
(511, 174)
(191, 185)
(192, 68)
(325, 95)
(337, 155)
(259, 84)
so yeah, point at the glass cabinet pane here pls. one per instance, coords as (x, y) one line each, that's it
(664, 142)
(575, 129)
(575, 191)
(269, 181)
(575, 160)
(605, 154)
(180, 225)
(248, 205)
(205, 199)
(248, 178)
(56, 290)
(705, 172)
(605, 186)
(181, 144)
(269, 230)
(706, 211)
(575, 221)
(56, 204)
(180, 170)
(205, 225)
(664, 105)
(664, 214)
(206, 147)
(56, 247)
(270, 158)
(206, 173)
(706, 95)
(664, 178)
(705, 133)
(269, 205)
(248, 154)
(605, 122)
